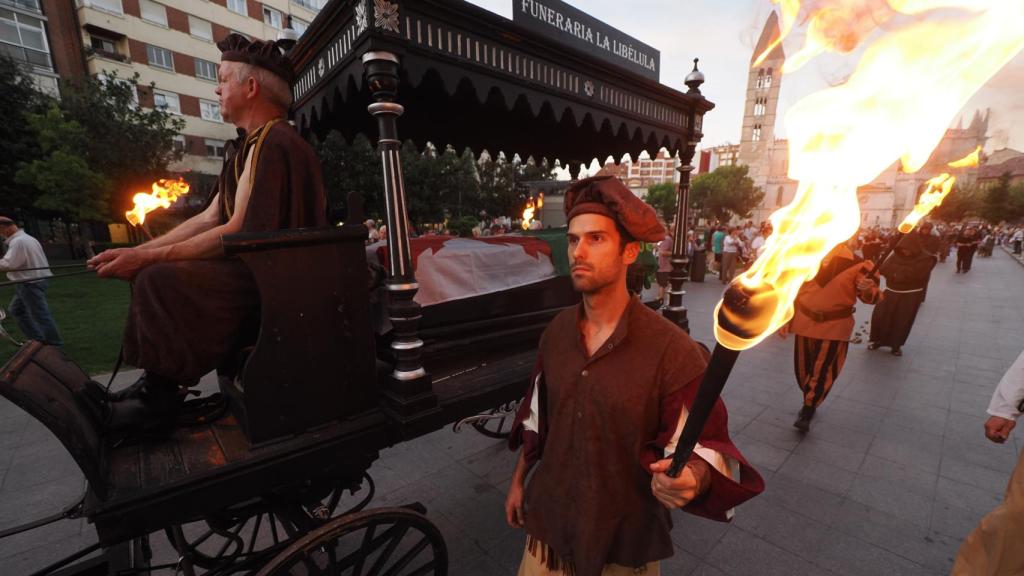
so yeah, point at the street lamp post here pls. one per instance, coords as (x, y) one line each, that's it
(674, 310)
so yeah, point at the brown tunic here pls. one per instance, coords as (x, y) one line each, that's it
(604, 418)
(187, 316)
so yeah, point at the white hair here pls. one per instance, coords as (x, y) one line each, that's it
(274, 88)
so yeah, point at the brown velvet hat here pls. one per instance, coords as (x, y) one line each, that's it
(237, 48)
(608, 196)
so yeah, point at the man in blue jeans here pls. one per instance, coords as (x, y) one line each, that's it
(28, 306)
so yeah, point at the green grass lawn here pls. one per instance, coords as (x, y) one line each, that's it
(90, 313)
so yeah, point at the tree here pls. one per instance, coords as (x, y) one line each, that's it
(726, 192)
(662, 197)
(18, 99)
(351, 167)
(996, 201)
(961, 202)
(67, 183)
(129, 145)
(498, 196)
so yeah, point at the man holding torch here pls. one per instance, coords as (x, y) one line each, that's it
(189, 303)
(609, 398)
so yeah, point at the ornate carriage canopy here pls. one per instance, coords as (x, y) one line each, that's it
(469, 77)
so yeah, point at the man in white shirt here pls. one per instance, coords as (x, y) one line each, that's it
(28, 306)
(994, 547)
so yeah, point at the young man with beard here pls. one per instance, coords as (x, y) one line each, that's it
(605, 409)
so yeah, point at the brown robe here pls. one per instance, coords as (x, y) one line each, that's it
(603, 420)
(186, 317)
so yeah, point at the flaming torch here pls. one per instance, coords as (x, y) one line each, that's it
(908, 86)
(163, 194)
(531, 209)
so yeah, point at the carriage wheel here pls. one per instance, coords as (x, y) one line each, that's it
(393, 541)
(497, 427)
(247, 535)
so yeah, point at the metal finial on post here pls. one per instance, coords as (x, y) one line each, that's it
(674, 310)
(694, 79)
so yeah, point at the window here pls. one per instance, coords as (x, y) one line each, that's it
(24, 4)
(314, 5)
(271, 17)
(200, 28)
(299, 26)
(167, 101)
(214, 148)
(206, 70)
(778, 196)
(101, 44)
(160, 57)
(210, 111)
(153, 12)
(178, 143)
(23, 38)
(768, 79)
(756, 134)
(107, 5)
(238, 6)
(760, 79)
(760, 106)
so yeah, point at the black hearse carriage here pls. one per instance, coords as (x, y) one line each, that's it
(316, 397)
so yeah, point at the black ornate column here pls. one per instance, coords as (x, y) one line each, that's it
(675, 310)
(409, 392)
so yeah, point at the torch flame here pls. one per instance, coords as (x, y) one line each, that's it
(164, 193)
(908, 86)
(937, 190)
(531, 209)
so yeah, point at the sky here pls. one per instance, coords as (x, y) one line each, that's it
(722, 33)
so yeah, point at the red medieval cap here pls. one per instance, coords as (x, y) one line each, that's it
(608, 196)
(267, 55)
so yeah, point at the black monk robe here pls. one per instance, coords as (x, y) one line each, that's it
(187, 316)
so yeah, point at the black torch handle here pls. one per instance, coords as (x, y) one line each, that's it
(718, 370)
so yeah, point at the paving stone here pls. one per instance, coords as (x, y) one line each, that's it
(762, 456)
(888, 497)
(829, 453)
(696, 535)
(906, 539)
(766, 432)
(953, 521)
(818, 473)
(741, 553)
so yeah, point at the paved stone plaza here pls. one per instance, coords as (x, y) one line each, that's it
(893, 474)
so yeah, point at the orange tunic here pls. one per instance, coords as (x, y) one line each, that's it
(837, 294)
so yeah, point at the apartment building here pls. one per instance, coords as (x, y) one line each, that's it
(172, 46)
(645, 171)
(27, 30)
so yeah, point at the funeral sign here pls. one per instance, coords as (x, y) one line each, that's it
(558, 21)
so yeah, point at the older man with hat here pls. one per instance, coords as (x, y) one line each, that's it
(605, 408)
(189, 302)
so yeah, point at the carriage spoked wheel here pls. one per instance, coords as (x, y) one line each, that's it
(498, 426)
(495, 423)
(392, 541)
(244, 537)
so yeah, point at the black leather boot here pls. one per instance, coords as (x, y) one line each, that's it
(153, 404)
(803, 420)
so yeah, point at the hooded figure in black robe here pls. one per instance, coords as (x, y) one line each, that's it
(190, 302)
(906, 273)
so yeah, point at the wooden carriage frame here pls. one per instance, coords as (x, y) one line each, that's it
(472, 79)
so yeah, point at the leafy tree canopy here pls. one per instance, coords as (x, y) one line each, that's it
(726, 192)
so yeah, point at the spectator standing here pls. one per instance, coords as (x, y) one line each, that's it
(1017, 239)
(731, 249)
(29, 307)
(717, 241)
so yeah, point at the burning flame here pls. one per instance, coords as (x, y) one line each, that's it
(165, 193)
(531, 209)
(937, 190)
(907, 88)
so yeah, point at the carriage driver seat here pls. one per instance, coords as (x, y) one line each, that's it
(313, 359)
